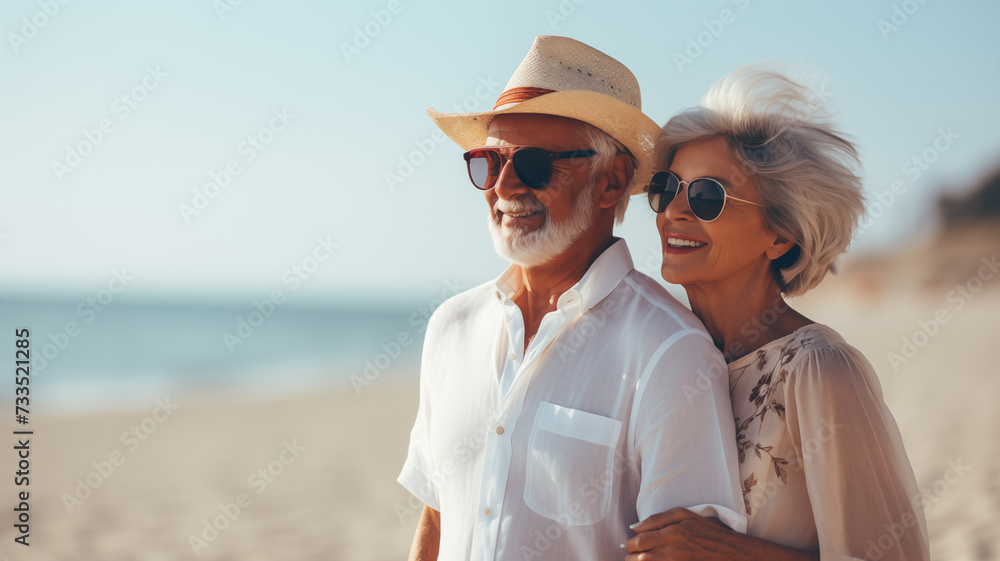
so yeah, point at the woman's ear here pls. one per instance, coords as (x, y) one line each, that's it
(616, 181)
(779, 247)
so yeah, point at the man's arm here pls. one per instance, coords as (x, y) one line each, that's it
(428, 536)
(684, 434)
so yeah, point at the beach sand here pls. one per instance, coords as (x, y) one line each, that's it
(337, 498)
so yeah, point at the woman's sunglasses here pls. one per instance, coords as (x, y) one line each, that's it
(533, 166)
(706, 197)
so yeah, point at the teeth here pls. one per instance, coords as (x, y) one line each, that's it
(677, 242)
(521, 215)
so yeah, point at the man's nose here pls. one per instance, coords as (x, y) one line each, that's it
(508, 185)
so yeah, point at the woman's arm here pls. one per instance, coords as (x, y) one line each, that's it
(860, 483)
(680, 535)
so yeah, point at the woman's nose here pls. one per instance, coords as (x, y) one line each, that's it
(678, 209)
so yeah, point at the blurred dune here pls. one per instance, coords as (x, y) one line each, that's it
(928, 319)
(981, 204)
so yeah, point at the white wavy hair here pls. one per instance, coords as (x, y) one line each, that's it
(805, 172)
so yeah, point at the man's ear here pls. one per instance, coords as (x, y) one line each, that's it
(615, 181)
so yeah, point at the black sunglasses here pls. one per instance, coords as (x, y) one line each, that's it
(706, 197)
(533, 166)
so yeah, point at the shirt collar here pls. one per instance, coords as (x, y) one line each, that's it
(604, 274)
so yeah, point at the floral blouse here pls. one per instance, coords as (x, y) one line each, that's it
(821, 459)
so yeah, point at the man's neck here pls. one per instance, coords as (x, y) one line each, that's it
(542, 285)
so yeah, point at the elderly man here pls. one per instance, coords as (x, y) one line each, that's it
(573, 396)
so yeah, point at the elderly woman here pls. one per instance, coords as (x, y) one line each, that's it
(757, 198)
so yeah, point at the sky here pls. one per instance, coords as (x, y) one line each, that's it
(225, 149)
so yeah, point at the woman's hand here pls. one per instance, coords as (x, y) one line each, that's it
(681, 535)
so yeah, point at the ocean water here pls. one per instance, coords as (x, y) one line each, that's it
(86, 356)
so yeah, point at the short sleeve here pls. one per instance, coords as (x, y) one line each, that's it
(684, 435)
(418, 468)
(858, 477)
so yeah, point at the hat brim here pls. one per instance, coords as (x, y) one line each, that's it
(625, 123)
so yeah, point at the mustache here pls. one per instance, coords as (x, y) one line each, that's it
(519, 205)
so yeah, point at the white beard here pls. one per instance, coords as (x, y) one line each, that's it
(551, 240)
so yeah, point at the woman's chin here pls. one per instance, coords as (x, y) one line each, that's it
(673, 275)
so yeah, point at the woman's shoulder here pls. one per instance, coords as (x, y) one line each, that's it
(823, 348)
(818, 359)
(812, 342)
(814, 354)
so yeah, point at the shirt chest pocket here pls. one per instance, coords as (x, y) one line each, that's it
(570, 471)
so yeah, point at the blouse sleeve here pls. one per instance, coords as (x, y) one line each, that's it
(863, 493)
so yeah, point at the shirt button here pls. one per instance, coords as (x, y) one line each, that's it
(512, 356)
(499, 430)
(489, 513)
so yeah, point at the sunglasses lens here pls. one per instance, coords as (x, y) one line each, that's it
(484, 167)
(706, 198)
(662, 190)
(479, 170)
(532, 167)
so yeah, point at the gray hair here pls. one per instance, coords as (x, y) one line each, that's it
(803, 170)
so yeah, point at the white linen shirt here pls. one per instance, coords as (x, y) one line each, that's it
(619, 409)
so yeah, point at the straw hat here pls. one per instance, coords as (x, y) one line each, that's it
(566, 78)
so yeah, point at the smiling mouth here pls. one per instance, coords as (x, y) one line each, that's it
(521, 214)
(679, 243)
